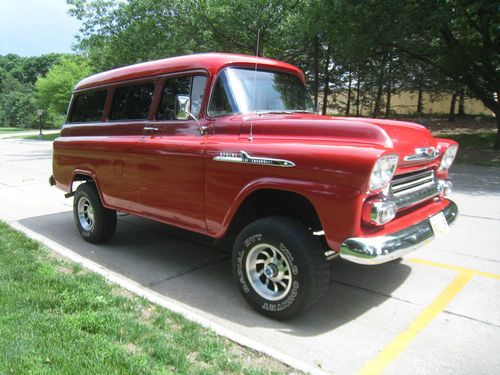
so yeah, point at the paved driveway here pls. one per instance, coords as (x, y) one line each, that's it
(436, 312)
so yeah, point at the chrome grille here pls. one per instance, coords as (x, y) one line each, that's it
(412, 188)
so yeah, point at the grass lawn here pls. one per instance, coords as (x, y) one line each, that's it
(45, 137)
(11, 130)
(56, 317)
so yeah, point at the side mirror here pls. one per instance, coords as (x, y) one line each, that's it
(182, 106)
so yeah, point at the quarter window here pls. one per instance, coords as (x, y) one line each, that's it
(132, 102)
(192, 86)
(89, 106)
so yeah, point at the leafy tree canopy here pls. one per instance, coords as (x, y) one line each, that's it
(54, 89)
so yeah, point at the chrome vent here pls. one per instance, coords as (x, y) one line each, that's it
(412, 188)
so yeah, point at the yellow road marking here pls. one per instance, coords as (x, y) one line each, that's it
(392, 350)
(455, 268)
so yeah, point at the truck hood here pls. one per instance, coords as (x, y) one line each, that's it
(402, 137)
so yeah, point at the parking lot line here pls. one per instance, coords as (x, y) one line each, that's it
(392, 350)
(454, 268)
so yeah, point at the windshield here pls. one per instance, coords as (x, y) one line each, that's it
(279, 92)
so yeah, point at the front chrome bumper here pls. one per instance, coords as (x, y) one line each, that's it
(377, 250)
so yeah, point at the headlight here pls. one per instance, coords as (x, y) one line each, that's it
(383, 171)
(448, 157)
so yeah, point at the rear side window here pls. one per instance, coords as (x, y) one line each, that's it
(89, 106)
(192, 86)
(132, 102)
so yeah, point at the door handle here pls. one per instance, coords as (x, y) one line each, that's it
(203, 129)
(150, 129)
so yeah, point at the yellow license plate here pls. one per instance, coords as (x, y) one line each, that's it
(439, 224)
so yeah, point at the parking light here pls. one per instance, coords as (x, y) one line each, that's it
(448, 157)
(383, 171)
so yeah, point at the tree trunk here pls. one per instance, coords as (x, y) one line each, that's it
(349, 91)
(326, 89)
(451, 116)
(420, 106)
(461, 104)
(358, 84)
(388, 100)
(496, 146)
(316, 71)
(494, 106)
(378, 100)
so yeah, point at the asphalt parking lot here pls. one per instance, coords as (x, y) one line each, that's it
(435, 312)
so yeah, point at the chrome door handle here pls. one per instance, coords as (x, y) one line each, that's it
(203, 129)
(150, 129)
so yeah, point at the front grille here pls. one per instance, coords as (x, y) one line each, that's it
(412, 188)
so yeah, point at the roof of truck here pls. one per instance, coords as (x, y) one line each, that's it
(211, 62)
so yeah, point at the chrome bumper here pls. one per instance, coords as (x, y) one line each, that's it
(377, 250)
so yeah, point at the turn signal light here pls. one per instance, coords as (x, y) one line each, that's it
(379, 212)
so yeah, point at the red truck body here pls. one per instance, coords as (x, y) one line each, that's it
(178, 176)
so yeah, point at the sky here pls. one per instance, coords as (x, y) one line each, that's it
(35, 27)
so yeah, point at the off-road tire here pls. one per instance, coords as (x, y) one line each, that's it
(298, 250)
(102, 226)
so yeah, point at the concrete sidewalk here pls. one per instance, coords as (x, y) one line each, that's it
(365, 309)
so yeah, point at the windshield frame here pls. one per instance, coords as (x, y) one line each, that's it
(210, 114)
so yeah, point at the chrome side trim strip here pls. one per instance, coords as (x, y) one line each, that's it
(382, 249)
(243, 157)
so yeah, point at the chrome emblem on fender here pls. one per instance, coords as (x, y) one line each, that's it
(423, 153)
(244, 158)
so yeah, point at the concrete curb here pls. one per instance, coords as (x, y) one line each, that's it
(166, 302)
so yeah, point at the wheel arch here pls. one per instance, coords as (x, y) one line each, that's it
(86, 176)
(266, 202)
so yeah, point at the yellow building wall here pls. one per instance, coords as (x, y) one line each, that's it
(405, 102)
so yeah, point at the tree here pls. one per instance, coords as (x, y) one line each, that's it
(17, 108)
(54, 89)
(459, 39)
(17, 91)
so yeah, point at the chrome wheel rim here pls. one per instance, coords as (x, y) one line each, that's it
(85, 214)
(268, 271)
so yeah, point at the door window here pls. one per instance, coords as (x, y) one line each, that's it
(191, 86)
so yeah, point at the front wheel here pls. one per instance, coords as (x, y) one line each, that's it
(95, 222)
(280, 267)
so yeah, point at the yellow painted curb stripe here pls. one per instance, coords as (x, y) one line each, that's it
(392, 350)
(454, 268)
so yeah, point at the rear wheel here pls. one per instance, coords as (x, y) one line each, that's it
(95, 222)
(280, 267)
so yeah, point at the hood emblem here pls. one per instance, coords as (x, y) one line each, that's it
(423, 153)
(244, 158)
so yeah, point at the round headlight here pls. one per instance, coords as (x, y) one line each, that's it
(448, 157)
(383, 171)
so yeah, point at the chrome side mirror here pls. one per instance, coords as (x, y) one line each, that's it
(182, 104)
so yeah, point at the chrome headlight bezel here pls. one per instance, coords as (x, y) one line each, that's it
(448, 158)
(382, 172)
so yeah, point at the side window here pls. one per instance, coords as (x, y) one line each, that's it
(192, 86)
(219, 102)
(89, 106)
(132, 102)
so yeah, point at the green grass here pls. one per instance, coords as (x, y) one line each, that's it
(476, 148)
(45, 137)
(473, 141)
(11, 130)
(56, 317)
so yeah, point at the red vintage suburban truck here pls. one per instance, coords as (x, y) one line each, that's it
(230, 146)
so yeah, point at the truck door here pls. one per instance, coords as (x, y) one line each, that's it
(170, 155)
